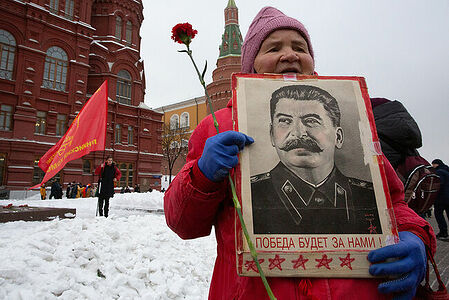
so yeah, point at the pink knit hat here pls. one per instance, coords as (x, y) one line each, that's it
(267, 20)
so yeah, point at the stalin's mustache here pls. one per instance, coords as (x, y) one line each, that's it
(303, 143)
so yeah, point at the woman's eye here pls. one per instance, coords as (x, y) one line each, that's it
(285, 121)
(299, 49)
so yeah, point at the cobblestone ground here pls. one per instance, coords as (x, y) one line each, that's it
(441, 258)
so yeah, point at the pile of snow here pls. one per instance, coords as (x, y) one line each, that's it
(130, 255)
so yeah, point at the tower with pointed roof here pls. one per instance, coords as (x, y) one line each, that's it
(228, 61)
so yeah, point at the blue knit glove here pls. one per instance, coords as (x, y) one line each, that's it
(220, 154)
(409, 265)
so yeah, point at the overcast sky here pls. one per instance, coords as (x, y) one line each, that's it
(401, 47)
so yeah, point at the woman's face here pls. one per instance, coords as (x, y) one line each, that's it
(284, 51)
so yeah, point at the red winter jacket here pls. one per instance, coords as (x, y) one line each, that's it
(193, 204)
(99, 171)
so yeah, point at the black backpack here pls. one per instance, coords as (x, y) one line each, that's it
(421, 183)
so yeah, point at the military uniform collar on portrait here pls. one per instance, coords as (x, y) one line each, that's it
(294, 206)
(298, 195)
(330, 192)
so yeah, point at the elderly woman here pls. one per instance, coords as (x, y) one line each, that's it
(200, 197)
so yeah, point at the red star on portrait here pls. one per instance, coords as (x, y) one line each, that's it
(371, 228)
(324, 261)
(300, 262)
(276, 262)
(251, 265)
(346, 261)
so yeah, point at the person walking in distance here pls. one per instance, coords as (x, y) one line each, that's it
(109, 173)
(442, 200)
(43, 192)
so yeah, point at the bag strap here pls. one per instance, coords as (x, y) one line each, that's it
(441, 286)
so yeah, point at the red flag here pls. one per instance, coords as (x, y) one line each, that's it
(87, 133)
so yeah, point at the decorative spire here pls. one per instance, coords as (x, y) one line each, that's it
(231, 43)
(231, 3)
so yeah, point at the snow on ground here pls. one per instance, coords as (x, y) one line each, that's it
(130, 255)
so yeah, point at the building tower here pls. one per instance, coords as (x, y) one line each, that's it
(115, 51)
(228, 61)
(133, 134)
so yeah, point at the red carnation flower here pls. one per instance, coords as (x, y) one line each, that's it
(183, 33)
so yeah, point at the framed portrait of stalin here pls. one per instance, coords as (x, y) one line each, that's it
(312, 185)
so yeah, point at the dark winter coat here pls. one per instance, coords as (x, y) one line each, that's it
(398, 132)
(74, 190)
(443, 194)
(56, 190)
(107, 174)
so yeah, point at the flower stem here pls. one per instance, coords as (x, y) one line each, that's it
(235, 199)
(203, 83)
(248, 240)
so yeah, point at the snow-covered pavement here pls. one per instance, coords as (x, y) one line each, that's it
(130, 255)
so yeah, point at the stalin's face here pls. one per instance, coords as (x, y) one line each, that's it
(303, 134)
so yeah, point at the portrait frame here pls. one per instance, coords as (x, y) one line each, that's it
(287, 245)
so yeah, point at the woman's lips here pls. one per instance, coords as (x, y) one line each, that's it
(290, 70)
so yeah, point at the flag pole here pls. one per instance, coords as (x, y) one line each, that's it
(104, 153)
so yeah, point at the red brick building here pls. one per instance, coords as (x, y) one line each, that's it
(54, 54)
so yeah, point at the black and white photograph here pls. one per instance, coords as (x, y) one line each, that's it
(311, 167)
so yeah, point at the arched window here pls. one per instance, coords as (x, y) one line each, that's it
(184, 143)
(123, 87)
(86, 166)
(174, 122)
(38, 174)
(127, 174)
(61, 123)
(7, 52)
(69, 9)
(118, 28)
(41, 122)
(130, 135)
(55, 70)
(54, 6)
(185, 120)
(118, 133)
(129, 32)
(5, 117)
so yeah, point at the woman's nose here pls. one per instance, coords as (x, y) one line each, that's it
(289, 55)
